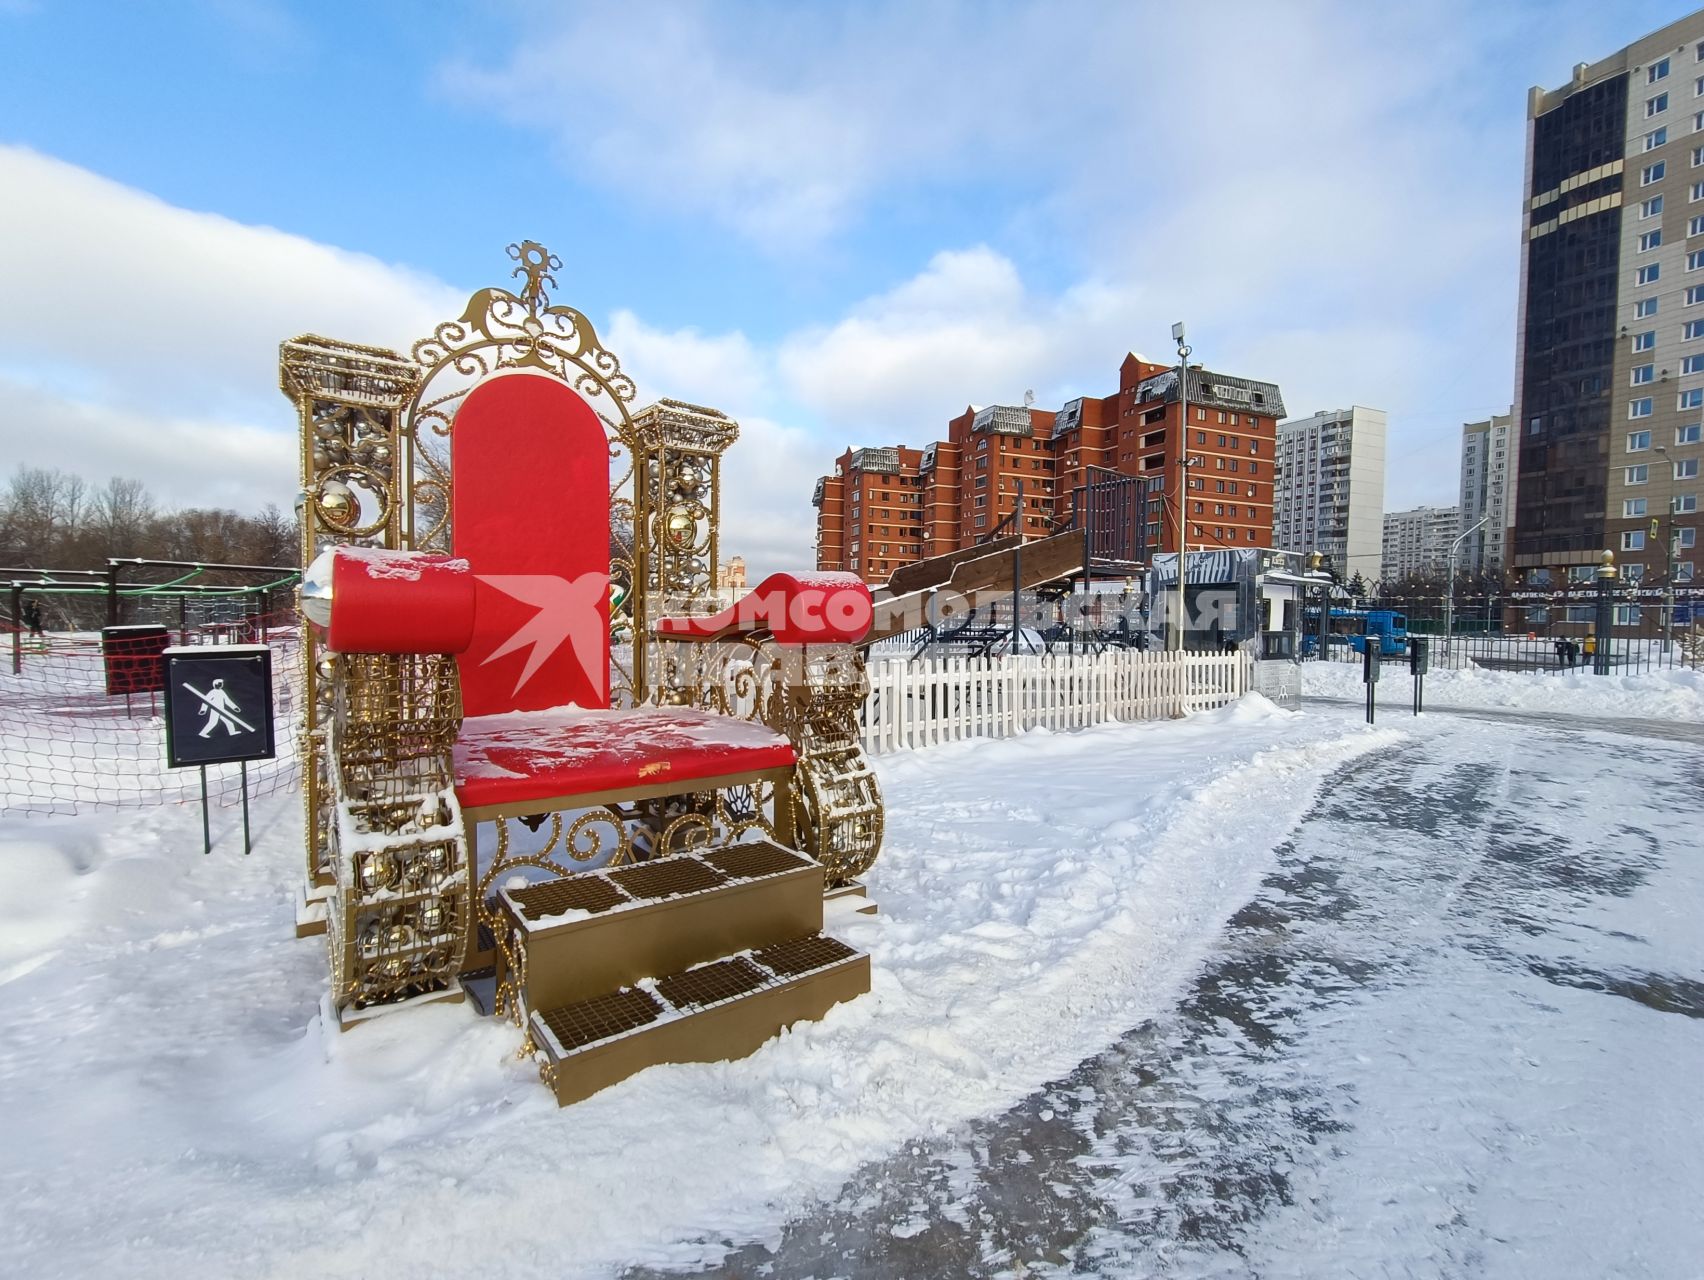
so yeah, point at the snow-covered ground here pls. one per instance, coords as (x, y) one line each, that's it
(1676, 694)
(1128, 1017)
(173, 1104)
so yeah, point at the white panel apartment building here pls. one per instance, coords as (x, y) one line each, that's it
(1330, 488)
(1418, 541)
(1488, 471)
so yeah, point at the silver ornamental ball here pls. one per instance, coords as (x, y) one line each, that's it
(436, 861)
(372, 939)
(399, 937)
(687, 480)
(430, 916)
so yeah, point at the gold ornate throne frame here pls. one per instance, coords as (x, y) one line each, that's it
(388, 847)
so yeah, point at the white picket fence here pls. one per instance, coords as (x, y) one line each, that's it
(944, 699)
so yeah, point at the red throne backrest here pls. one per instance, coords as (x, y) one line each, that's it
(529, 509)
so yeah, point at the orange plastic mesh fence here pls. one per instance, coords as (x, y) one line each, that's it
(67, 746)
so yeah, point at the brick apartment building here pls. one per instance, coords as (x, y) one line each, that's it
(887, 507)
(870, 512)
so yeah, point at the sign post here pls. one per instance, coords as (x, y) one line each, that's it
(218, 711)
(1370, 675)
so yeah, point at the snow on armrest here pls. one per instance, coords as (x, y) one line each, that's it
(369, 600)
(796, 608)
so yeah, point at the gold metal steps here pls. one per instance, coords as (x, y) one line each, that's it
(719, 1011)
(698, 957)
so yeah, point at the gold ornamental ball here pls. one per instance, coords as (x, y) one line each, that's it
(680, 527)
(393, 968)
(430, 916)
(338, 505)
(399, 937)
(378, 871)
(687, 480)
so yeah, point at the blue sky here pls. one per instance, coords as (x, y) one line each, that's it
(839, 222)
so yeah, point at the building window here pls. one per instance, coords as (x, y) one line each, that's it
(1648, 274)
(1655, 138)
(1683, 571)
(1688, 434)
(1693, 399)
(1644, 308)
(1640, 474)
(1656, 106)
(1651, 208)
(1698, 152)
(1692, 364)
(1653, 173)
(1685, 503)
(1650, 240)
(1686, 469)
(1626, 615)
(1685, 538)
(1632, 508)
(1694, 295)
(1640, 408)
(1633, 540)
(1640, 374)
(1645, 341)
(1638, 441)
(1657, 71)
(1692, 329)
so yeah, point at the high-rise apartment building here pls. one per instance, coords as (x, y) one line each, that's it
(870, 512)
(1609, 378)
(1331, 473)
(1417, 542)
(967, 484)
(1487, 492)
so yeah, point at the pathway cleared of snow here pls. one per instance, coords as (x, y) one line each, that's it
(1458, 1031)
(174, 1106)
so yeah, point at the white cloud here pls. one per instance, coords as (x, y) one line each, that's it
(146, 305)
(1326, 192)
(143, 342)
(185, 461)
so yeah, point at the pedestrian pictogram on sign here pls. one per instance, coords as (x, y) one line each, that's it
(218, 704)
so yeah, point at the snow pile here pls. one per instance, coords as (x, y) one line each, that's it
(163, 1060)
(1660, 695)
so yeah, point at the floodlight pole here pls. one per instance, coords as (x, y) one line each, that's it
(1183, 351)
(1449, 588)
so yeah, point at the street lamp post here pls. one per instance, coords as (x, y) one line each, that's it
(1449, 589)
(1183, 350)
(1668, 561)
(1605, 612)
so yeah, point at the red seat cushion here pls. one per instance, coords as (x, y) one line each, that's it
(523, 756)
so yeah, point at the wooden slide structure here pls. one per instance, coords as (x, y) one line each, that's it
(970, 577)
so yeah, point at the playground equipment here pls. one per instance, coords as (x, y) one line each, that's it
(630, 840)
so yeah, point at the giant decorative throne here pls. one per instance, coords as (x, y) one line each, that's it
(539, 747)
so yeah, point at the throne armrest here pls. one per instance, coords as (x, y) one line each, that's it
(369, 600)
(794, 608)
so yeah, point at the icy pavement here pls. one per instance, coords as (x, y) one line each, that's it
(1458, 1031)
